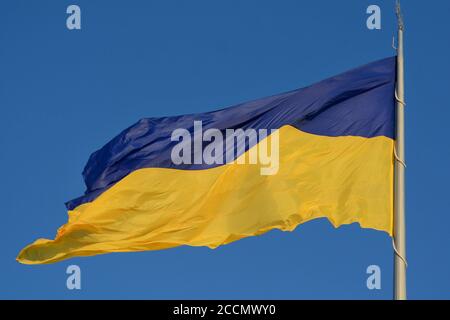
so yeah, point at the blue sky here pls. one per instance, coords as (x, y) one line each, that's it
(63, 94)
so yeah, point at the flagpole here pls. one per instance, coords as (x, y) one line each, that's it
(399, 176)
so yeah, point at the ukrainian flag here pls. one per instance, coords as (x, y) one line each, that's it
(336, 141)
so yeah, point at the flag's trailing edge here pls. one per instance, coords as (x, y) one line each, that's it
(335, 161)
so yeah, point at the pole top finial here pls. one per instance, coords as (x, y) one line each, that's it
(398, 11)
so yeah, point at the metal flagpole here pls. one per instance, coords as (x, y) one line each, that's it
(399, 176)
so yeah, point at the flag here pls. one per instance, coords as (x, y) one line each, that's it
(208, 179)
